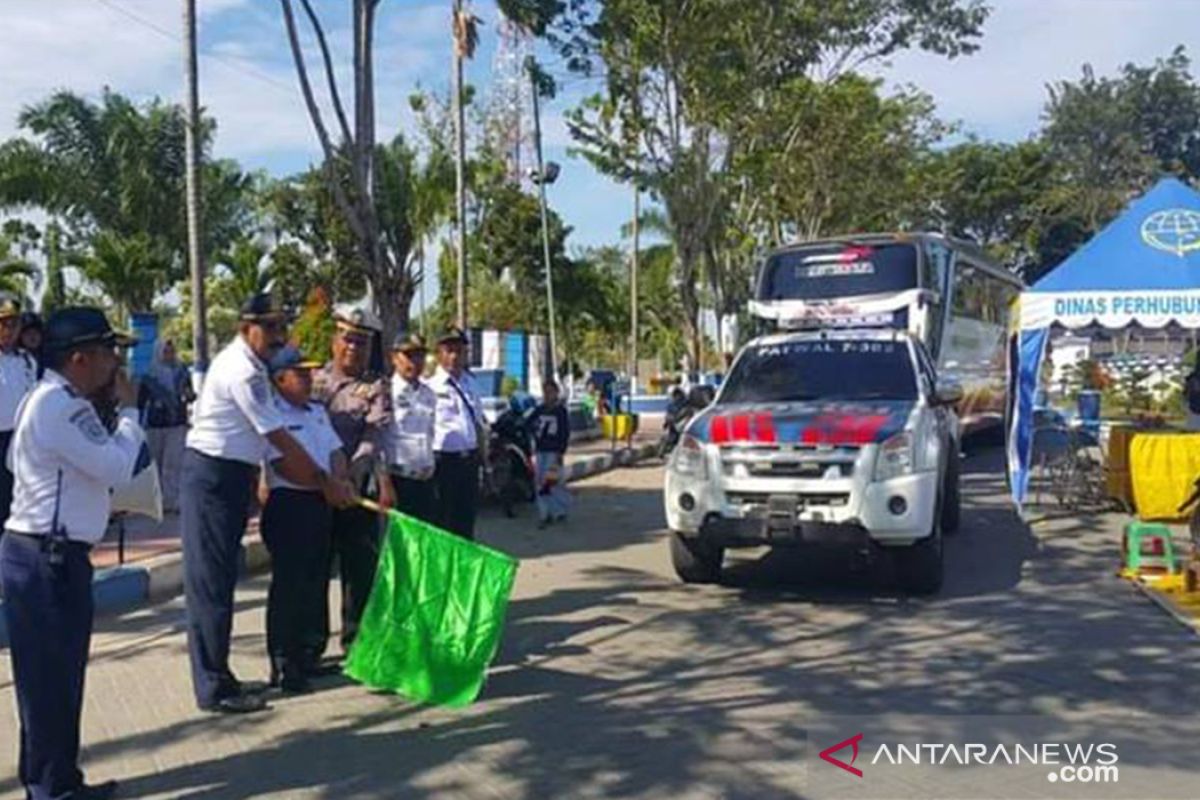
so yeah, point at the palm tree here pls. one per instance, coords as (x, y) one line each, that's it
(131, 270)
(16, 273)
(112, 174)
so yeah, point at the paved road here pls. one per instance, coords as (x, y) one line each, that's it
(616, 681)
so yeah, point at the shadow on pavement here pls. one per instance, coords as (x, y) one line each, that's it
(636, 686)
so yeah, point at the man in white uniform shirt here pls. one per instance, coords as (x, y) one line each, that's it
(18, 374)
(65, 462)
(235, 419)
(297, 528)
(457, 436)
(414, 405)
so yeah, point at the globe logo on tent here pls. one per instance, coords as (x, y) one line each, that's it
(1175, 230)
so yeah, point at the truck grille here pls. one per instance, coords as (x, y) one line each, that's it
(795, 461)
(752, 503)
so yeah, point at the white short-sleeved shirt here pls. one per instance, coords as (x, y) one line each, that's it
(18, 375)
(59, 433)
(236, 409)
(459, 409)
(414, 406)
(310, 426)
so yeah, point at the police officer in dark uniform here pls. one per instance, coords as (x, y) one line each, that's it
(235, 424)
(360, 407)
(18, 374)
(66, 461)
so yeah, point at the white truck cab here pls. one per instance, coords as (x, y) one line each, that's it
(822, 437)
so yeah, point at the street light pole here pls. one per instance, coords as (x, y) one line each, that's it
(460, 148)
(195, 252)
(541, 182)
(633, 292)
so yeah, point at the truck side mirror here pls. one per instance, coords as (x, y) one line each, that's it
(947, 392)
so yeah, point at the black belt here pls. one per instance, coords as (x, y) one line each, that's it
(461, 455)
(43, 542)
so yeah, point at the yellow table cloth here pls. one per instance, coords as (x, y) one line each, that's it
(1163, 467)
(1118, 485)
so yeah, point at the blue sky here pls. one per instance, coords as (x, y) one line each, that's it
(248, 82)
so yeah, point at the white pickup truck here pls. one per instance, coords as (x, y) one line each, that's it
(831, 437)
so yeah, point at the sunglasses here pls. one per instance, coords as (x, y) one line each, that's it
(355, 338)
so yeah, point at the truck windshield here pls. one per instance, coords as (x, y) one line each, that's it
(822, 370)
(837, 270)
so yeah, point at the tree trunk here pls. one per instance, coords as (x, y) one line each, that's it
(393, 295)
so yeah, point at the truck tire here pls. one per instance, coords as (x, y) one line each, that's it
(695, 561)
(919, 567)
(951, 495)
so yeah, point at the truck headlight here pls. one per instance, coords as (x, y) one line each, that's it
(690, 459)
(895, 457)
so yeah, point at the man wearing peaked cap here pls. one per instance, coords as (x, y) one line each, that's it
(235, 426)
(18, 374)
(459, 436)
(415, 405)
(360, 409)
(297, 526)
(357, 318)
(66, 463)
(262, 307)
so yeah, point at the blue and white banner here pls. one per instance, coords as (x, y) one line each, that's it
(1114, 309)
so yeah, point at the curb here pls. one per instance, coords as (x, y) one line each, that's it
(1166, 605)
(117, 589)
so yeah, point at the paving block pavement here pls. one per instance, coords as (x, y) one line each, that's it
(119, 588)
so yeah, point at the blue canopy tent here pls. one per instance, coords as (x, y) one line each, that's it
(1143, 269)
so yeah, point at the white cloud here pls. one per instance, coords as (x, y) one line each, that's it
(999, 91)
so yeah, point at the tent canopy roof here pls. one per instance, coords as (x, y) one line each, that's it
(1154, 245)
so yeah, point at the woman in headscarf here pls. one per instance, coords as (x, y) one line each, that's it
(30, 338)
(164, 393)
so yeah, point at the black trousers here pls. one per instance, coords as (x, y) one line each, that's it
(416, 498)
(457, 479)
(6, 480)
(48, 608)
(356, 537)
(296, 528)
(214, 496)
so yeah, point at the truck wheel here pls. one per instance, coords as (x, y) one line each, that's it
(695, 561)
(951, 496)
(919, 566)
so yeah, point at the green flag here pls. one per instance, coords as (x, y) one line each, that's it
(433, 621)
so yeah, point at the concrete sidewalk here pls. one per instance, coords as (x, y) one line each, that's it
(153, 569)
(146, 539)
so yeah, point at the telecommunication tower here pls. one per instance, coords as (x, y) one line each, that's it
(509, 119)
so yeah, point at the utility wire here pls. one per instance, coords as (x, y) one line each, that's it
(237, 66)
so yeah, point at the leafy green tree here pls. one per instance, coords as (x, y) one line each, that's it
(130, 270)
(114, 169)
(684, 78)
(16, 273)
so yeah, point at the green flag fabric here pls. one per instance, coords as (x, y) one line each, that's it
(434, 618)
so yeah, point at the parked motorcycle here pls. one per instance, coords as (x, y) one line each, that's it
(509, 477)
(679, 412)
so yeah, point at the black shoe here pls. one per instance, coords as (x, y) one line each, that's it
(324, 668)
(99, 791)
(294, 681)
(231, 685)
(238, 704)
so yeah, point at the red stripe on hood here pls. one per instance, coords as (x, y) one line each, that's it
(764, 429)
(719, 432)
(843, 429)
